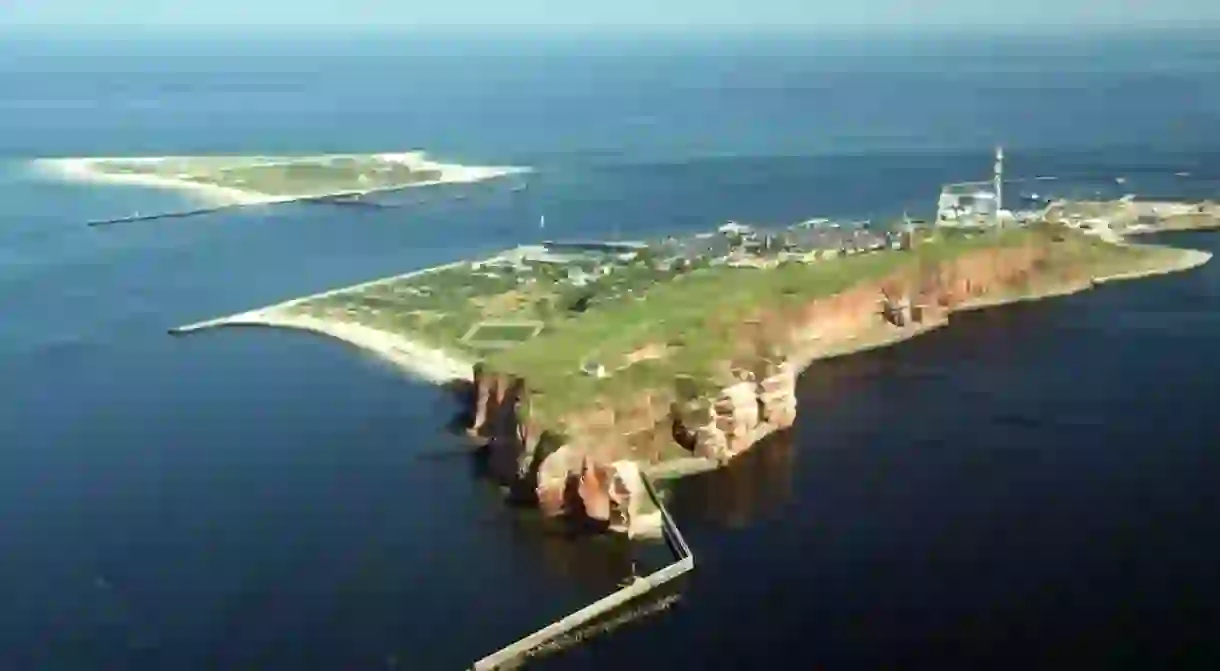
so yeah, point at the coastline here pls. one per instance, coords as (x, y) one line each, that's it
(1185, 259)
(439, 366)
(427, 363)
(430, 364)
(82, 170)
(874, 339)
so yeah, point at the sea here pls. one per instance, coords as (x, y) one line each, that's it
(1031, 485)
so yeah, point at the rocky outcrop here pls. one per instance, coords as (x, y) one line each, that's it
(496, 421)
(611, 496)
(742, 414)
(590, 471)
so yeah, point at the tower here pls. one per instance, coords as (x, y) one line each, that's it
(998, 184)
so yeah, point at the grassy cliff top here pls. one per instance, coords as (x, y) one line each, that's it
(687, 326)
(650, 325)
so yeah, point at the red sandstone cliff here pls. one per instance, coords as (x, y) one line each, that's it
(588, 470)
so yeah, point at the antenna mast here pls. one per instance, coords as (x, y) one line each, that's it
(998, 184)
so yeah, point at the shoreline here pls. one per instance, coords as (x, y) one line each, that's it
(82, 170)
(879, 338)
(439, 366)
(1187, 259)
(431, 364)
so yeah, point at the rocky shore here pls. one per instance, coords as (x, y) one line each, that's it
(585, 467)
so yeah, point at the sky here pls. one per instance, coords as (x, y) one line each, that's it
(592, 14)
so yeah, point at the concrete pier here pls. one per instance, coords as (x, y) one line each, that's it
(684, 561)
(354, 199)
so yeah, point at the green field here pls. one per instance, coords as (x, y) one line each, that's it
(651, 327)
(440, 308)
(502, 333)
(698, 316)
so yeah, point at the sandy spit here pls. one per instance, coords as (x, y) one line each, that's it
(427, 363)
(85, 170)
(1187, 259)
(430, 364)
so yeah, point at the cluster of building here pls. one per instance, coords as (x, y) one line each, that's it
(576, 263)
(735, 245)
(981, 204)
(739, 245)
(974, 204)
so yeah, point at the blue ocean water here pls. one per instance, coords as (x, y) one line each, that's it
(1031, 481)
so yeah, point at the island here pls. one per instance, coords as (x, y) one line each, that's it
(584, 365)
(239, 180)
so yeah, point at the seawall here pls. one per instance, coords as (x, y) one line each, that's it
(571, 627)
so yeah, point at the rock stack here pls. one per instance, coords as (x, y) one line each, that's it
(575, 486)
(777, 396)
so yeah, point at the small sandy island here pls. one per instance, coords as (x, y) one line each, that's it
(250, 180)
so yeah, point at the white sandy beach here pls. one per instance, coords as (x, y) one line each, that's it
(1187, 259)
(430, 364)
(85, 170)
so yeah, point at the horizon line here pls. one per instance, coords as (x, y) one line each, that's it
(584, 30)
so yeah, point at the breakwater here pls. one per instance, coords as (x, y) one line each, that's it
(181, 214)
(352, 200)
(572, 629)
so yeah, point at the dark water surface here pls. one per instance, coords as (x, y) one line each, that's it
(1035, 480)
(1032, 479)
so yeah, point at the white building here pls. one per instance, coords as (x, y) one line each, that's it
(734, 228)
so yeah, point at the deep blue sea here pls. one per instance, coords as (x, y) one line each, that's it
(1033, 482)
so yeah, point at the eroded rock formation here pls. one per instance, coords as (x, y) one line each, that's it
(591, 471)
